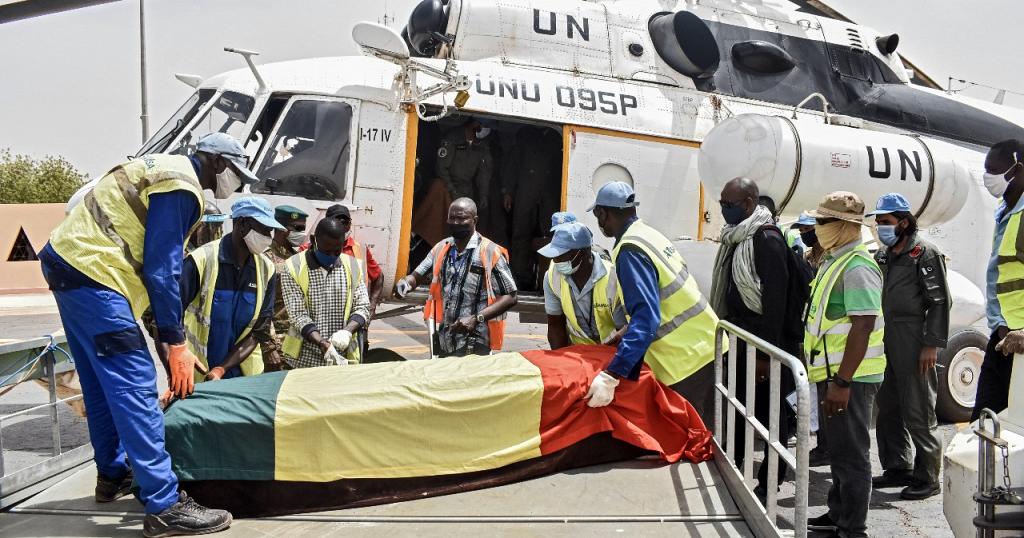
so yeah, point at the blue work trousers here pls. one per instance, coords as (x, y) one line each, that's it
(119, 386)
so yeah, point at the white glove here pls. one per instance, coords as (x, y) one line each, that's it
(333, 358)
(341, 339)
(403, 287)
(602, 390)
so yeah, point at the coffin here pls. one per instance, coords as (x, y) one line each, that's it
(345, 436)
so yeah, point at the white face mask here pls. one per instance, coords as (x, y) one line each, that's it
(227, 183)
(996, 183)
(296, 239)
(567, 268)
(483, 132)
(257, 242)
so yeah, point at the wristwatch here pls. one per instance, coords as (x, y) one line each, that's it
(480, 318)
(840, 382)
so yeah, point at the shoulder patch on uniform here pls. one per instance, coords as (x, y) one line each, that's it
(916, 251)
(442, 152)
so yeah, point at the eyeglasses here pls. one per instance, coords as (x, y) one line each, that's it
(728, 205)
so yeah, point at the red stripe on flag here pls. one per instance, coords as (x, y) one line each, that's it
(645, 413)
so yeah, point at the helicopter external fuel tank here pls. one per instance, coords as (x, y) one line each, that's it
(797, 162)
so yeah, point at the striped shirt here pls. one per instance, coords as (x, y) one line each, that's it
(857, 293)
(325, 313)
(462, 292)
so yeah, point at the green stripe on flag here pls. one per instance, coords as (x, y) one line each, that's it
(225, 429)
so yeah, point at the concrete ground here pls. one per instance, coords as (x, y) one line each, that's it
(28, 440)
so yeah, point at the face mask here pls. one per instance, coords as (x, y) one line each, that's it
(567, 268)
(734, 214)
(257, 242)
(348, 235)
(809, 238)
(887, 234)
(227, 183)
(997, 183)
(482, 133)
(296, 239)
(325, 259)
(460, 231)
(836, 234)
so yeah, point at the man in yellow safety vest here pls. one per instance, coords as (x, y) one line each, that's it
(580, 291)
(118, 251)
(229, 286)
(671, 326)
(325, 294)
(843, 345)
(1004, 178)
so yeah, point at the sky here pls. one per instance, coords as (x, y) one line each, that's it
(70, 81)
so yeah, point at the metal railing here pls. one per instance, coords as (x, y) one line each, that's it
(725, 392)
(41, 358)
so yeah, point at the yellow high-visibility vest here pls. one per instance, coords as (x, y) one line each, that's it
(685, 339)
(298, 268)
(603, 295)
(1010, 284)
(825, 339)
(103, 236)
(198, 312)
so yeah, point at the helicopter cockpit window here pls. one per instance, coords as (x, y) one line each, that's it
(159, 141)
(861, 65)
(229, 114)
(308, 156)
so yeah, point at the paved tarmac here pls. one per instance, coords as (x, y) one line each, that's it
(28, 441)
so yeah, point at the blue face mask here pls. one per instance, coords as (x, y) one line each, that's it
(325, 259)
(734, 214)
(887, 234)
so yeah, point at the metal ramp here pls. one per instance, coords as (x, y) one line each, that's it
(641, 497)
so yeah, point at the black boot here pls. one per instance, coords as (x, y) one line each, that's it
(185, 517)
(110, 489)
(822, 523)
(920, 490)
(893, 479)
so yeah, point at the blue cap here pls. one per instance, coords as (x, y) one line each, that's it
(890, 203)
(615, 194)
(570, 236)
(214, 217)
(562, 217)
(231, 149)
(805, 220)
(257, 208)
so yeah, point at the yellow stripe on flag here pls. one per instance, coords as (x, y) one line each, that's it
(407, 419)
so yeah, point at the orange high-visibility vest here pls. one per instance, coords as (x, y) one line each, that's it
(490, 253)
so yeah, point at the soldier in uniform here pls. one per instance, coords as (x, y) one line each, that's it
(530, 191)
(915, 305)
(465, 164)
(286, 244)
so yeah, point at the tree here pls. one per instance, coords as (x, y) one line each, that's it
(24, 180)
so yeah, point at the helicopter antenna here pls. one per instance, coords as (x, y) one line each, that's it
(386, 19)
(1000, 92)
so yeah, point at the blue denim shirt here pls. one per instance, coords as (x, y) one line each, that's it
(992, 311)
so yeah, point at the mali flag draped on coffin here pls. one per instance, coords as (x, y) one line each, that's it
(416, 419)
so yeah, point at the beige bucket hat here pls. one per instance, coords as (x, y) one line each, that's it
(842, 205)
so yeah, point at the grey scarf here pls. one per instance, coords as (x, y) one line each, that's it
(738, 246)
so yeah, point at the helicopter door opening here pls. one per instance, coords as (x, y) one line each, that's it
(511, 169)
